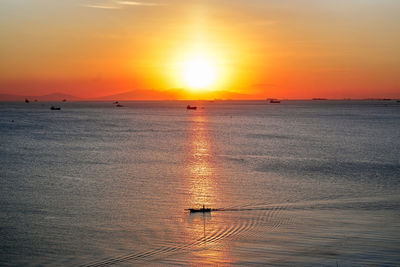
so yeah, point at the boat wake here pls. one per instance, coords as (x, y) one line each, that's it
(266, 217)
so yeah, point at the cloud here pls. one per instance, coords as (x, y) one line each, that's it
(118, 4)
(101, 6)
(136, 3)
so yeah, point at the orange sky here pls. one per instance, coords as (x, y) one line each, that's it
(260, 49)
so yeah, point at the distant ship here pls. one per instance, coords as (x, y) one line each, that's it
(119, 106)
(26, 100)
(55, 108)
(190, 107)
(273, 101)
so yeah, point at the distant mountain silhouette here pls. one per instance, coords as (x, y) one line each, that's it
(48, 97)
(58, 96)
(141, 95)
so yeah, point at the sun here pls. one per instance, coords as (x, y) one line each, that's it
(199, 72)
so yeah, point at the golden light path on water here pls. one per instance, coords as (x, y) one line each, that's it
(202, 188)
(205, 189)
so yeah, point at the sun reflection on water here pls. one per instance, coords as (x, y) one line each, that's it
(202, 169)
(204, 187)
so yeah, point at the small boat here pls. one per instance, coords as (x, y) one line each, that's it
(191, 107)
(64, 100)
(203, 210)
(119, 106)
(26, 100)
(273, 101)
(116, 102)
(55, 108)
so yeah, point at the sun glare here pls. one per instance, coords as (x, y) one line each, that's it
(199, 72)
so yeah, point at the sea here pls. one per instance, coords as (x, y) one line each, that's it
(297, 183)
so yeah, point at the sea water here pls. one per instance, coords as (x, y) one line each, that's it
(300, 183)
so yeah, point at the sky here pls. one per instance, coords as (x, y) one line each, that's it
(253, 49)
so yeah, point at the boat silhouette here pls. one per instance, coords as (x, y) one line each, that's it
(191, 107)
(203, 210)
(273, 101)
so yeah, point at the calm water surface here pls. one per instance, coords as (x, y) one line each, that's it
(302, 183)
